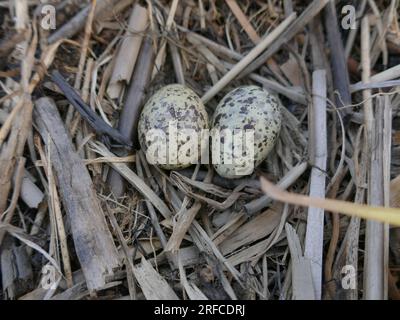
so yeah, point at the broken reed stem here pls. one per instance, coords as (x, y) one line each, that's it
(366, 73)
(128, 52)
(129, 116)
(374, 267)
(171, 15)
(302, 281)
(337, 57)
(56, 209)
(82, 58)
(373, 261)
(202, 15)
(315, 219)
(257, 50)
(350, 244)
(386, 164)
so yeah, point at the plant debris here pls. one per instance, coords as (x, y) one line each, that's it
(84, 215)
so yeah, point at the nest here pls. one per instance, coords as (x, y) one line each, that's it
(83, 215)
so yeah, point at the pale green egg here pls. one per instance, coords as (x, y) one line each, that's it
(248, 109)
(173, 106)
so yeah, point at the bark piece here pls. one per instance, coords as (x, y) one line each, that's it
(153, 285)
(93, 241)
(16, 270)
(128, 52)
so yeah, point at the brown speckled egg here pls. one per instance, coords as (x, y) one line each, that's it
(173, 106)
(246, 108)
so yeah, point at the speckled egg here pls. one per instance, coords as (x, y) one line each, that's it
(173, 117)
(248, 109)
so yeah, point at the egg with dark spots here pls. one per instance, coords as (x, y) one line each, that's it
(170, 127)
(247, 122)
